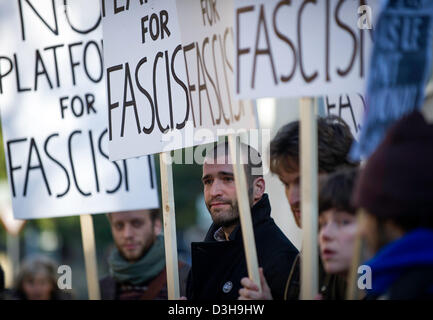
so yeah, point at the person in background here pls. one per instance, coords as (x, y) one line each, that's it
(37, 280)
(395, 194)
(219, 263)
(338, 226)
(137, 264)
(334, 143)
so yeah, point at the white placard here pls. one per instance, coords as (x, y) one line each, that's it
(53, 108)
(155, 103)
(208, 44)
(302, 48)
(350, 107)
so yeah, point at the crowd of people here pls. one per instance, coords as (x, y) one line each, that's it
(386, 202)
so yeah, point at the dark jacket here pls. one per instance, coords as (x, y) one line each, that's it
(218, 266)
(157, 287)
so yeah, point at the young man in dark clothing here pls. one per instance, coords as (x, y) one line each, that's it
(137, 265)
(334, 143)
(218, 263)
(395, 192)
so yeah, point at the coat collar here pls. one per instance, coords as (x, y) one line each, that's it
(260, 212)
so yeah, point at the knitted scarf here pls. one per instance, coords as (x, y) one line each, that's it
(141, 271)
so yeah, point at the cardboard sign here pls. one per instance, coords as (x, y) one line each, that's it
(208, 45)
(350, 107)
(171, 88)
(302, 48)
(53, 99)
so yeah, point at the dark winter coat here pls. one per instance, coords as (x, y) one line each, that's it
(218, 266)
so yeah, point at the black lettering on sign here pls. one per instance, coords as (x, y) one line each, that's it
(218, 90)
(266, 51)
(147, 95)
(59, 195)
(12, 168)
(217, 94)
(327, 41)
(156, 26)
(307, 78)
(130, 103)
(111, 105)
(47, 56)
(117, 187)
(54, 30)
(34, 162)
(284, 38)
(73, 63)
(352, 35)
(202, 86)
(38, 73)
(182, 84)
(345, 105)
(78, 105)
(209, 12)
(4, 73)
(95, 169)
(226, 65)
(98, 77)
(158, 56)
(56, 66)
(130, 98)
(342, 105)
(39, 166)
(191, 87)
(170, 103)
(74, 176)
(17, 73)
(240, 51)
(76, 29)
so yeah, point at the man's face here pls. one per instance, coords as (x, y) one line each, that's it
(291, 180)
(133, 233)
(220, 193)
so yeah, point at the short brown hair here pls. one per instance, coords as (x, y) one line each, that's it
(334, 142)
(335, 190)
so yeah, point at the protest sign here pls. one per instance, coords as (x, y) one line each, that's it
(208, 45)
(399, 71)
(301, 48)
(175, 78)
(53, 100)
(350, 107)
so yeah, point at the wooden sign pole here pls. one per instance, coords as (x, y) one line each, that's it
(89, 248)
(309, 199)
(352, 290)
(169, 220)
(13, 252)
(244, 211)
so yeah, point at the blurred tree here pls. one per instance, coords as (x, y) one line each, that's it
(187, 187)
